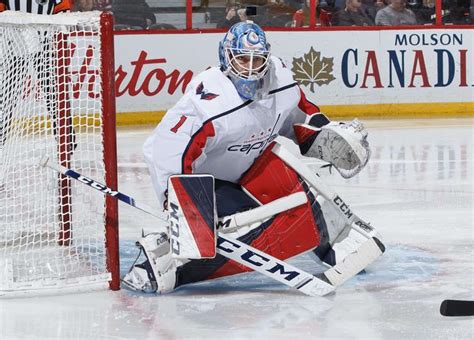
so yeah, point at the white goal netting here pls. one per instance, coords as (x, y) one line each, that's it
(52, 233)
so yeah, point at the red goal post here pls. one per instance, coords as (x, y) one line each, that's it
(57, 99)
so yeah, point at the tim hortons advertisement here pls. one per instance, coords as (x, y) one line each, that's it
(333, 68)
(153, 74)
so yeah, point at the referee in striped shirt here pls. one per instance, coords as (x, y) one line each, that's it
(36, 6)
(41, 62)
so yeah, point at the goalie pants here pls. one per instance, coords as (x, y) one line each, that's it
(287, 234)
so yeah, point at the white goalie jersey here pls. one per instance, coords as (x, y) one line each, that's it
(212, 130)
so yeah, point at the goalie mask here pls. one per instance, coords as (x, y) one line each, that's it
(244, 55)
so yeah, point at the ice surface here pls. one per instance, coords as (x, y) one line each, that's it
(417, 190)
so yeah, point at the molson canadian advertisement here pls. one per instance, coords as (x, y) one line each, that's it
(425, 72)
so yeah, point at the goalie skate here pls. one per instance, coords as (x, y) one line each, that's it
(158, 272)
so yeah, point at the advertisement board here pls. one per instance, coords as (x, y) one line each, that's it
(364, 73)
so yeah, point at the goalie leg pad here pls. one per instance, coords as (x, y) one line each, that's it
(342, 241)
(287, 234)
(284, 235)
(270, 179)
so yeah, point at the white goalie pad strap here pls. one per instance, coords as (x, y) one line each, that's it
(192, 216)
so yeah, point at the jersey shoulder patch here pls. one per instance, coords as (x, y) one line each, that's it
(204, 93)
(212, 93)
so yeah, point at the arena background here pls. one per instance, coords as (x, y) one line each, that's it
(395, 72)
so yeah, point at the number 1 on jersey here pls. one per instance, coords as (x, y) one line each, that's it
(180, 123)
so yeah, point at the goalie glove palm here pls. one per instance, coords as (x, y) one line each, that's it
(343, 145)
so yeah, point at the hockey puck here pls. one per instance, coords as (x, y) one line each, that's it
(457, 308)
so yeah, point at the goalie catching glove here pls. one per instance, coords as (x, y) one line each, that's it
(343, 145)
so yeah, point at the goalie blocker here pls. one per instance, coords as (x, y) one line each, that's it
(189, 253)
(192, 216)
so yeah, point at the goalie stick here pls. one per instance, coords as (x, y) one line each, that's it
(233, 249)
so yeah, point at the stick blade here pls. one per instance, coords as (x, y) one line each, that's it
(457, 308)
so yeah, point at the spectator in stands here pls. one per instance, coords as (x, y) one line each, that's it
(162, 26)
(395, 14)
(471, 11)
(302, 16)
(379, 4)
(325, 9)
(83, 5)
(424, 10)
(246, 3)
(91, 5)
(371, 7)
(103, 5)
(454, 11)
(458, 12)
(353, 15)
(235, 14)
(278, 13)
(242, 13)
(134, 14)
(257, 14)
(230, 19)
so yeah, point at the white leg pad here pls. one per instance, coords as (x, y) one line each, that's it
(343, 239)
(335, 222)
(348, 243)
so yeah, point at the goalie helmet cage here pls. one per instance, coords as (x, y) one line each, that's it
(57, 99)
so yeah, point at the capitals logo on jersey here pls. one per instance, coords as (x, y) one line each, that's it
(255, 142)
(203, 92)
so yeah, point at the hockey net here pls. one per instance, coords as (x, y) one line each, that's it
(56, 100)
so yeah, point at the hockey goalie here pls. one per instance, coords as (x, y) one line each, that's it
(216, 154)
